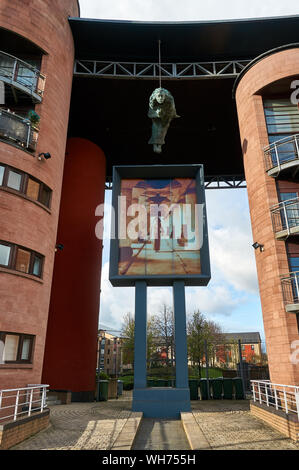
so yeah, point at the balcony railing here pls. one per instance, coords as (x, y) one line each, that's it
(282, 154)
(290, 291)
(20, 402)
(18, 130)
(22, 76)
(285, 218)
(282, 397)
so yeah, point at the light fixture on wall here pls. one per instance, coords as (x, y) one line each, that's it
(59, 246)
(257, 245)
(46, 155)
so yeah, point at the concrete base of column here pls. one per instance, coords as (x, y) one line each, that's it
(161, 402)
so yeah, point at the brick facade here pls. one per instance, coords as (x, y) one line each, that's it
(24, 301)
(281, 328)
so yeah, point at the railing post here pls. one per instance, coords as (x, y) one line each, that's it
(16, 405)
(297, 401)
(30, 402)
(253, 390)
(286, 218)
(258, 386)
(285, 400)
(267, 398)
(296, 145)
(277, 157)
(44, 397)
(296, 282)
(275, 395)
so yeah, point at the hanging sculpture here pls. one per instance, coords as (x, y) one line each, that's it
(161, 111)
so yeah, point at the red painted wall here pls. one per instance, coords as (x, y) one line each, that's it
(71, 342)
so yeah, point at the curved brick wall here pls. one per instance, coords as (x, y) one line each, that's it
(24, 302)
(280, 327)
(71, 345)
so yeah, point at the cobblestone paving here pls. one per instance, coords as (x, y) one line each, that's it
(81, 426)
(229, 425)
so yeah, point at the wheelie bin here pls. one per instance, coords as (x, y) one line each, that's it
(227, 388)
(193, 386)
(217, 385)
(103, 390)
(203, 385)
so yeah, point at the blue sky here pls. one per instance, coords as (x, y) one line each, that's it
(231, 298)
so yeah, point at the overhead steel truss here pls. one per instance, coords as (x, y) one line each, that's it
(211, 182)
(169, 71)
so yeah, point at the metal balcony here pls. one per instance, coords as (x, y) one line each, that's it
(283, 156)
(17, 130)
(22, 76)
(285, 218)
(290, 291)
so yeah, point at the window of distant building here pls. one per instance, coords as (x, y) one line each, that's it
(15, 348)
(20, 259)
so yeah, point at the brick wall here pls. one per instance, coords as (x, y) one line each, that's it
(280, 327)
(14, 432)
(287, 424)
(24, 301)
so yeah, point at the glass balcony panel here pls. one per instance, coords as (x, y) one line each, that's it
(18, 130)
(285, 216)
(282, 151)
(17, 72)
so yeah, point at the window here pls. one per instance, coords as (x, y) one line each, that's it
(20, 259)
(25, 184)
(2, 168)
(14, 180)
(15, 348)
(252, 347)
(4, 254)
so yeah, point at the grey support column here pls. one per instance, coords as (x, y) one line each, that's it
(181, 355)
(140, 348)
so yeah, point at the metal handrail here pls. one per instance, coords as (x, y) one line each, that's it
(290, 287)
(22, 75)
(22, 401)
(285, 215)
(277, 153)
(283, 397)
(18, 130)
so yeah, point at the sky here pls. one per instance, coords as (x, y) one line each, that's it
(231, 299)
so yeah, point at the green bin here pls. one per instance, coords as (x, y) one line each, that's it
(238, 388)
(103, 390)
(203, 384)
(193, 386)
(217, 385)
(227, 389)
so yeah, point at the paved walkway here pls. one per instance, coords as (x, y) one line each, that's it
(226, 425)
(161, 434)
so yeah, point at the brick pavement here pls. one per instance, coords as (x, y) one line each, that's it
(225, 424)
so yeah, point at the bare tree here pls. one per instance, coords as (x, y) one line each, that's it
(163, 332)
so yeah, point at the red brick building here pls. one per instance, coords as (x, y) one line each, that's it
(227, 354)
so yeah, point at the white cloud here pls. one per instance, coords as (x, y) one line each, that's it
(188, 10)
(234, 281)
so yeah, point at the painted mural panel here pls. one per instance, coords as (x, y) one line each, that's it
(159, 229)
